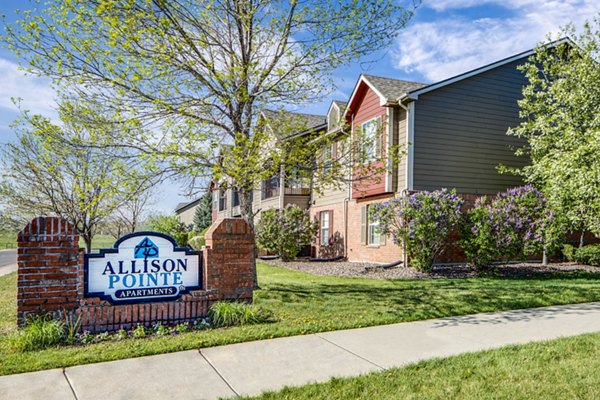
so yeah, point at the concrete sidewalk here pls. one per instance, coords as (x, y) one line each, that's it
(7, 269)
(250, 368)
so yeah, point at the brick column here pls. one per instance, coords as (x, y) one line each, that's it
(229, 260)
(48, 256)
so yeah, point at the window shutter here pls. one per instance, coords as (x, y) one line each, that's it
(318, 218)
(334, 151)
(330, 226)
(382, 239)
(363, 225)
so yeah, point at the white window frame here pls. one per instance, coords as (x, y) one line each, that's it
(371, 139)
(373, 235)
(325, 234)
(327, 158)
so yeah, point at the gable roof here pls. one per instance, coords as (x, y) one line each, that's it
(388, 89)
(414, 93)
(181, 207)
(296, 123)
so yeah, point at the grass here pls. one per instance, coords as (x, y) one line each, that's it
(100, 242)
(304, 303)
(566, 368)
(8, 240)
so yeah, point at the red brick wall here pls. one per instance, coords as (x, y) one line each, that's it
(48, 255)
(337, 243)
(386, 253)
(51, 276)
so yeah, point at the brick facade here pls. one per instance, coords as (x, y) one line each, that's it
(384, 253)
(337, 242)
(51, 276)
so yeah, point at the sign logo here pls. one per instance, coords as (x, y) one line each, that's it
(146, 249)
(150, 269)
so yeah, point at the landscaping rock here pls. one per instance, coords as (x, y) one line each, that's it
(358, 269)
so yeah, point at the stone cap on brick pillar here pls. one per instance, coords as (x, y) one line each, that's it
(228, 227)
(48, 229)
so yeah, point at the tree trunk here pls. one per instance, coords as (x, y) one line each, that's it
(582, 238)
(545, 258)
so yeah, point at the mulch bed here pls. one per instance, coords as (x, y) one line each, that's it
(366, 270)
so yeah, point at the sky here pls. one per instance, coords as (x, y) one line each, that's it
(443, 39)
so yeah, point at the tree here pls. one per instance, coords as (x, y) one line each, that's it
(560, 111)
(203, 213)
(169, 225)
(200, 71)
(128, 217)
(284, 232)
(51, 169)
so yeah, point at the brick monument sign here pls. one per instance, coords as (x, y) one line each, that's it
(143, 280)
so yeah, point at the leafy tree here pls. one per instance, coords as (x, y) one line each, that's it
(128, 217)
(561, 114)
(52, 169)
(422, 222)
(203, 214)
(200, 71)
(170, 225)
(284, 232)
(514, 224)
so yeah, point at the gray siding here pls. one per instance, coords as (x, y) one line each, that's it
(460, 133)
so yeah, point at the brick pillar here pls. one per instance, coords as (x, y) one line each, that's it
(48, 256)
(229, 260)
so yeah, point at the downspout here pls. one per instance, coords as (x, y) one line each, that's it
(347, 199)
(405, 191)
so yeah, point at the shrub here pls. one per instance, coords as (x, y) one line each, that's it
(515, 224)
(422, 221)
(169, 225)
(569, 252)
(39, 333)
(225, 313)
(197, 242)
(589, 254)
(285, 232)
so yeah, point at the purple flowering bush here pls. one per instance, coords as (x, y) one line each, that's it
(284, 232)
(515, 224)
(422, 222)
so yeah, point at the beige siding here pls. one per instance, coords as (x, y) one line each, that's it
(300, 201)
(460, 133)
(187, 217)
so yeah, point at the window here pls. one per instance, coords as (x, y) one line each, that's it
(327, 158)
(325, 224)
(270, 188)
(370, 234)
(371, 140)
(222, 199)
(373, 235)
(235, 199)
(215, 199)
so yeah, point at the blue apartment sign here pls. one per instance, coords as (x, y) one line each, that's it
(142, 267)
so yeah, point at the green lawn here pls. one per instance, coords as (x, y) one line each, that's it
(8, 240)
(305, 303)
(100, 242)
(560, 369)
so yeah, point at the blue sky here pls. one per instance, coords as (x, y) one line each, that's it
(445, 38)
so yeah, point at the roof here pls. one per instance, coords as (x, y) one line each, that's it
(293, 122)
(181, 207)
(413, 94)
(390, 88)
(341, 104)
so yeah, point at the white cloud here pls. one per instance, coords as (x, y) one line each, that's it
(36, 93)
(454, 44)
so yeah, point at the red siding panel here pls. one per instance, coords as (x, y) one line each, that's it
(366, 106)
